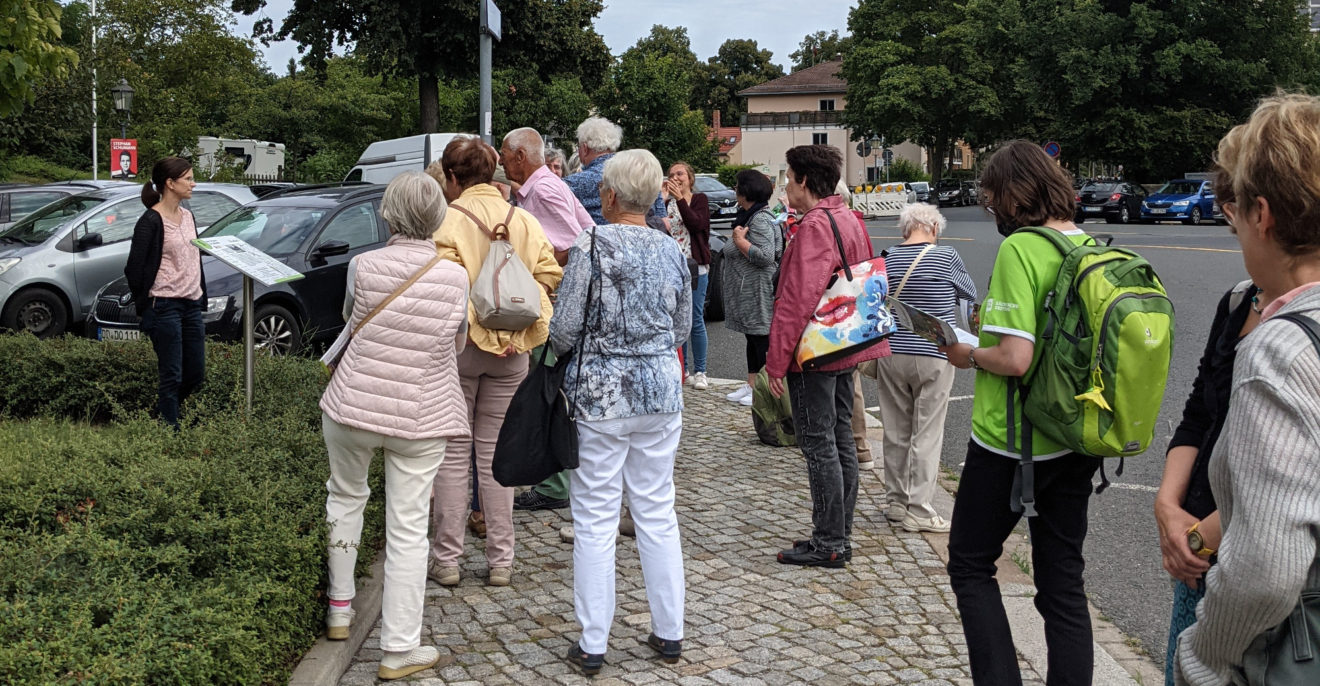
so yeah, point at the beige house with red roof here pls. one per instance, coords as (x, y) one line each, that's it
(805, 108)
(730, 140)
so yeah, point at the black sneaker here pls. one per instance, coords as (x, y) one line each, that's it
(589, 664)
(804, 546)
(535, 500)
(670, 651)
(810, 557)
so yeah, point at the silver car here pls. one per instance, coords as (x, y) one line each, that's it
(18, 200)
(54, 261)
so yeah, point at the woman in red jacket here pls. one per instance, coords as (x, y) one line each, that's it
(822, 398)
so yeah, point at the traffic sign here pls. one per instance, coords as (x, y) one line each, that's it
(889, 157)
(490, 19)
(1052, 149)
(864, 149)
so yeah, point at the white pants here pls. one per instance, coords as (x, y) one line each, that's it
(633, 455)
(914, 400)
(410, 467)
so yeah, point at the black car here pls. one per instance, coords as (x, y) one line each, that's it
(723, 200)
(314, 230)
(1118, 202)
(953, 192)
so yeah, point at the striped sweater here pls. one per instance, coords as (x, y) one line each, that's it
(936, 285)
(1265, 474)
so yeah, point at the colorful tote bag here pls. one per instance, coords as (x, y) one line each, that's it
(851, 316)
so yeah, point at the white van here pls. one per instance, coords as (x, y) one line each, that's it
(383, 160)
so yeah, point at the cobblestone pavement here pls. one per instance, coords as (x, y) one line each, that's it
(887, 619)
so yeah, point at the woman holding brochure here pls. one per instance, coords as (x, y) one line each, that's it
(915, 381)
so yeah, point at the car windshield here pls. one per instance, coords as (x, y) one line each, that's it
(275, 231)
(1100, 188)
(705, 184)
(1181, 188)
(44, 223)
(920, 186)
(948, 184)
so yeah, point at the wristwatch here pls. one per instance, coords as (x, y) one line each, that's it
(1196, 542)
(971, 358)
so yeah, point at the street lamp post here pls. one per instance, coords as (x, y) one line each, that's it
(123, 96)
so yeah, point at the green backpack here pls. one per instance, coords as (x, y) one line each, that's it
(1097, 378)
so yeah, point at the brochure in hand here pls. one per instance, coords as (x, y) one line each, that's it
(928, 326)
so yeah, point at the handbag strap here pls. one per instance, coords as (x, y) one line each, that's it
(1308, 325)
(908, 273)
(397, 292)
(501, 229)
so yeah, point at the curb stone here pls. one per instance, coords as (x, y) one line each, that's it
(327, 660)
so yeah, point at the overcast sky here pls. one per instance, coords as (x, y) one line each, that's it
(778, 25)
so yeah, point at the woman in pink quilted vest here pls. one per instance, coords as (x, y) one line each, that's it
(395, 389)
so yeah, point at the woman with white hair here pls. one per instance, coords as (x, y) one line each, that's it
(915, 381)
(409, 313)
(625, 306)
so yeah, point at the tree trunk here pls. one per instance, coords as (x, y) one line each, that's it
(937, 160)
(428, 93)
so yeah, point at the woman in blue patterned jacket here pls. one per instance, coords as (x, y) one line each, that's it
(625, 305)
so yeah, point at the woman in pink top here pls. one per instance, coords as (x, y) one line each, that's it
(164, 272)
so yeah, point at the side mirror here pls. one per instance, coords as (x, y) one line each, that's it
(330, 249)
(90, 240)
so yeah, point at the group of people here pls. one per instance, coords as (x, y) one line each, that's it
(621, 251)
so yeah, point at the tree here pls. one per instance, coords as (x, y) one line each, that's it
(739, 64)
(648, 98)
(819, 47)
(429, 40)
(30, 51)
(665, 41)
(915, 73)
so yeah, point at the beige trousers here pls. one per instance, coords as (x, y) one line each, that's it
(859, 420)
(914, 399)
(488, 385)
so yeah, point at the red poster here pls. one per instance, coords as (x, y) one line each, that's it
(123, 158)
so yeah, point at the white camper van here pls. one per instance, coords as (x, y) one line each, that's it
(259, 158)
(383, 160)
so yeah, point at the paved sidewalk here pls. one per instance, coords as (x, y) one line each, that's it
(887, 619)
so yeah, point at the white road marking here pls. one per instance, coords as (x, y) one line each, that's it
(961, 397)
(1135, 487)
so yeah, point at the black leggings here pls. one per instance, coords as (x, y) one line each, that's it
(757, 347)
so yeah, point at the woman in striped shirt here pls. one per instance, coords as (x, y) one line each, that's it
(915, 381)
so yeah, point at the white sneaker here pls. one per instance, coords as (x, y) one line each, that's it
(934, 525)
(700, 382)
(401, 664)
(896, 513)
(743, 390)
(746, 400)
(338, 622)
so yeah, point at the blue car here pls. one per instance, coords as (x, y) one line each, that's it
(1185, 200)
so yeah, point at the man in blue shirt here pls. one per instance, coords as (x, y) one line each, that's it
(598, 140)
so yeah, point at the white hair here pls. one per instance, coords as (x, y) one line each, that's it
(413, 205)
(573, 165)
(599, 134)
(921, 214)
(635, 177)
(552, 153)
(842, 190)
(529, 141)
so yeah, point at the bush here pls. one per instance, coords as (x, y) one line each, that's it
(28, 169)
(728, 173)
(132, 554)
(904, 169)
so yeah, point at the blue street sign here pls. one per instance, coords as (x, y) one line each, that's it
(1052, 149)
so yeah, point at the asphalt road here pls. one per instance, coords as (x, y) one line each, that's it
(1124, 576)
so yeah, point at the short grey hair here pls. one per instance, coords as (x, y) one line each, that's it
(599, 134)
(552, 153)
(529, 141)
(635, 177)
(921, 214)
(414, 205)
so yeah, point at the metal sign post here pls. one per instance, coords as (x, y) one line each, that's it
(490, 31)
(254, 265)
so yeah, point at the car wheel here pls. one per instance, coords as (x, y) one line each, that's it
(277, 331)
(714, 291)
(37, 311)
(1123, 215)
(1195, 217)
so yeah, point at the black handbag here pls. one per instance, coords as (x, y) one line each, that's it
(539, 436)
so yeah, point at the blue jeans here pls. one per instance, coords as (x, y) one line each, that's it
(179, 338)
(697, 343)
(822, 412)
(1185, 599)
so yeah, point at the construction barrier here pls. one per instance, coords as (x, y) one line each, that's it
(880, 200)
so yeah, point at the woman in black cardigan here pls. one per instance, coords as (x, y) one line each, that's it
(164, 273)
(689, 224)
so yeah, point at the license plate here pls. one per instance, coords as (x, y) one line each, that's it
(728, 210)
(119, 334)
(1094, 209)
(1158, 211)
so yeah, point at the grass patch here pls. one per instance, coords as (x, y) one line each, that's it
(28, 169)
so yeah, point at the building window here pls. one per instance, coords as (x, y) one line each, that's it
(827, 105)
(957, 155)
(820, 139)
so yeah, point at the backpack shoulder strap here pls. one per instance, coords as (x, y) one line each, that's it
(1058, 240)
(1238, 294)
(502, 229)
(1308, 325)
(480, 225)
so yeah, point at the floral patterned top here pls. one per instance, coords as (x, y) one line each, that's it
(678, 229)
(640, 313)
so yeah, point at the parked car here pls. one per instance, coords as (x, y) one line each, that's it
(952, 192)
(315, 230)
(18, 200)
(920, 191)
(723, 200)
(53, 262)
(972, 192)
(1114, 201)
(1187, 200)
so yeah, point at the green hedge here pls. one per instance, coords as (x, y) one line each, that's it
(131, 554)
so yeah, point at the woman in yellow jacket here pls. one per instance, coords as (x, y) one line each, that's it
(491, 366)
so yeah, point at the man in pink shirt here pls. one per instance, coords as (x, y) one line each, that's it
(542, 192)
